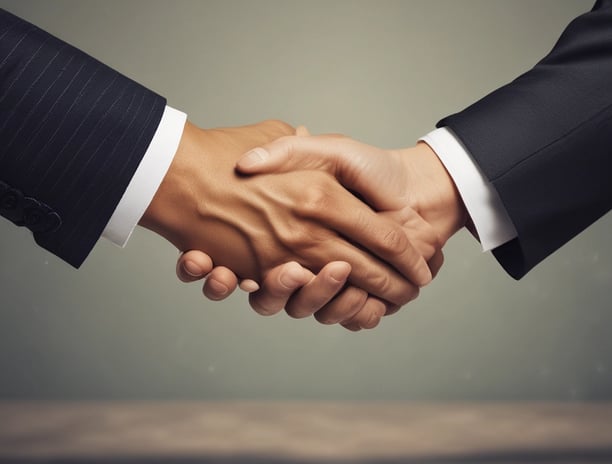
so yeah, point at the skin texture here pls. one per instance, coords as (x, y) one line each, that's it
(410, 184)
(389, 180)
(253, 224)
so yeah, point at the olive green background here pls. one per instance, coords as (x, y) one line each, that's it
(381, 71)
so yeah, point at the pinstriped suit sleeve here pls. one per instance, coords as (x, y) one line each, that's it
(72, 134)
(544, 141)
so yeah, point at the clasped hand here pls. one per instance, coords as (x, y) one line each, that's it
(284, 215)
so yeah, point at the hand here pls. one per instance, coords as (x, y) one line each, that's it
(252, 224)
(388, 180)
(292, 287)
(378, 175)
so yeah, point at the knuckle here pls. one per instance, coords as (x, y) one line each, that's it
(352, 300)
(396, 291)
(278, 127)
(356, 299)
(370, 316)
(394, 242)
(297, 238)
(316, 199)
(381, 282)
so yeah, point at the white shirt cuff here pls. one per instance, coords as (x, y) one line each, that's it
(147, 178)
(488, 214)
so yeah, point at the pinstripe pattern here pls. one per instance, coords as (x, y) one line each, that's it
(72, 132)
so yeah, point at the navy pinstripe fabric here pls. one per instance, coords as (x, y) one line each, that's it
(72, 132)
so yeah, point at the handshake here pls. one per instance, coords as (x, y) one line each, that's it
(322, 224)
(318, 225)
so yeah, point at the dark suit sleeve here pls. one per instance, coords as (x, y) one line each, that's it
(72, 133)
(545, 141)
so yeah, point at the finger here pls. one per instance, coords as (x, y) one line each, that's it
(285, 154)
(277, 287)
(382, 237)
(368, 317)
(435, 263)
(320, 290)
(220, 283)
(378, 234)
(336, 154)
(348, 303)
(249, 286)
(368, 273)
(422, 235)
(193, 265)
(392, 310)
(337, 311)
(352, 327)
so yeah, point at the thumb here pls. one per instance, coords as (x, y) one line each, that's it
(380, 179)
(258, 160)
(290, 153)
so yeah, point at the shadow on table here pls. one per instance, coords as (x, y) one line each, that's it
(510, 457)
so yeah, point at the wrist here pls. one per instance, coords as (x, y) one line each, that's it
(163, 215)
(433, 193)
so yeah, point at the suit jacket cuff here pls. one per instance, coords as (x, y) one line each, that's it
(488, 214)
(147, 178)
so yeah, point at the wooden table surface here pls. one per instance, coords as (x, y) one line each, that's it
(304, 432)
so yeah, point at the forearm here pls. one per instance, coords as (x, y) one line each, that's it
(73, 134)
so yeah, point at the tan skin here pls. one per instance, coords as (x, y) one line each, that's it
(253, 224)
(390, 180)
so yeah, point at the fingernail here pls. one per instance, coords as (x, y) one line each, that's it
(253, 158)
(249, 286)
(291, 278)
(340, 273)
(192, 269)
(217, 287)
(373, 321)
(425, 277)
